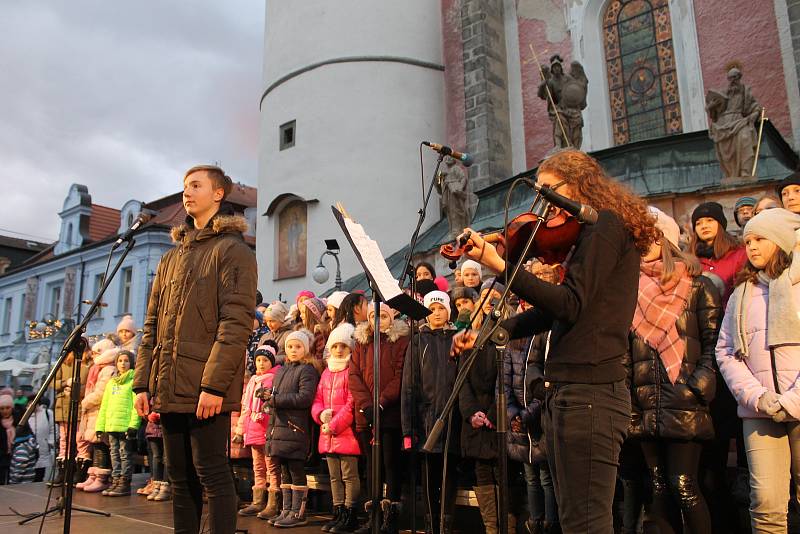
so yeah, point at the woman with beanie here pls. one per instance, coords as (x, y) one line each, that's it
(333, 411)
(104, 352)
(279, 327)
(394, 338)
(759, 356)
(718, 251)
(672, 344)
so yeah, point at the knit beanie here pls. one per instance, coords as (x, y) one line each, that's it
(315, 306)
(792, 179)
(667, 225)
(497, 286)
(267, 351)
(298, 335)
(384, 308)
(127, 324)
(437, 296)
(474, 265)
(441, 283)
(778, 225)
(304, 293)
(341, 334)
(463, 292)
(335, 299)
(740, 203)
(103, 345)
(710, 209)
(276, 312)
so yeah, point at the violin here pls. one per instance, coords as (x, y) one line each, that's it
(551, 245)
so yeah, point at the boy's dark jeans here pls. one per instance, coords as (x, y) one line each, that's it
(196, 459)
(584, 427)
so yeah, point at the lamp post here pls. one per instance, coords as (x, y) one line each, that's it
(320, 273)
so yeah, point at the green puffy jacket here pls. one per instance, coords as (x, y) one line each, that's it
(116, 411)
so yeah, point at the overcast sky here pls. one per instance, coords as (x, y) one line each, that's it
(122, 97)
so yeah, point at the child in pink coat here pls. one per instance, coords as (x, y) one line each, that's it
(333, 411)
(251, 429)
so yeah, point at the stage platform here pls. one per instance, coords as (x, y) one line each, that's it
(133, 514)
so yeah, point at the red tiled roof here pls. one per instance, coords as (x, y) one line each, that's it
(103, 222)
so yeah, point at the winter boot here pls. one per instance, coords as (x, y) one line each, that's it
(366, 528)
(122, 489)
(91, 474)
(348, 523)
(487, 504)
(286, 511)
(297, 518)
(258, 504)
(154, 491)
(81, 470)
(100, 481)
(146, 490)
(338, 510)
(164, 492)
(534, 526)
(273, 505)
(391, 516)
(114, 483)
(58, 480)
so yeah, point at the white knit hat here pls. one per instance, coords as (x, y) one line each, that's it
(103, 345)
(276, 311)
(301, 336)
(127, 324)
(341, 334)
(474, 265)
(778, 225)
(336, 298)
(437, 296)
(667, 225)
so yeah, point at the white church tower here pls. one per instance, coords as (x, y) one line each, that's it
(350, 90)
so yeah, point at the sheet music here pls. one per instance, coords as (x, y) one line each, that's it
(373, 260)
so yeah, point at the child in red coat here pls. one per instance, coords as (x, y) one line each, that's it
(251, 429)
(333, 411)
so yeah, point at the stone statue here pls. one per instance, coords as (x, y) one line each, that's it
(733, 113)
(457, 202)
(568, 92)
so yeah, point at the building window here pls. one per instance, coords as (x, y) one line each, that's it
(7, 315)
(55, 300)
(291, 241)
(640, 64)
(21, 323)
(125, 290)
(98, 283)
(287, 135)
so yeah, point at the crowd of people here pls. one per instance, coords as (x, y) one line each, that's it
(711, 359)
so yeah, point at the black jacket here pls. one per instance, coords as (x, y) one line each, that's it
(591, 312)
(478, 395)
(294, 388)
(523, 367)
(430, 385)
(680, 411)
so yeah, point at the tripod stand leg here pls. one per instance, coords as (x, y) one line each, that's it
(59, 507)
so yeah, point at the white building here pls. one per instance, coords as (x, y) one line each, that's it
(349, 92)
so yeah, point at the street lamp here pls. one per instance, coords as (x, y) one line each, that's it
(320, 273)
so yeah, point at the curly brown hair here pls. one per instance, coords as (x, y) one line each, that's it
(591, 185)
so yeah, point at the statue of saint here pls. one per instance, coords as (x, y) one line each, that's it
(733, 113)
(568, 93)
(457, 200)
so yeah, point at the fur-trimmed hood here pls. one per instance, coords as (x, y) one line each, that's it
(224, 222)
(363, 333)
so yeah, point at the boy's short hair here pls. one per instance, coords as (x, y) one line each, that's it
(217, 175)
(463, 292)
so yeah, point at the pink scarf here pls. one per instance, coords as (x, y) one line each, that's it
(8, 425)
(658, 308)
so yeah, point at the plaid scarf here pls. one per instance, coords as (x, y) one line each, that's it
(657, 309)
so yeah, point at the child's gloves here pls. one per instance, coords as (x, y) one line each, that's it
(131, 434)
(326, 415)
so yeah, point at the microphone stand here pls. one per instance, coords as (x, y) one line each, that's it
(491, 331)
(75, 344)
(374, 519)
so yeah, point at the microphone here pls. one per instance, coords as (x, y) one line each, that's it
(582, 212)
(140, 220)
(463, 157)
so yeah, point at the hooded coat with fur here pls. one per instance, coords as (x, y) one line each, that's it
(199, 317)
(100, 373)
(393, 349)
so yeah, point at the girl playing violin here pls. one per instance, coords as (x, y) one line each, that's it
(587, 403)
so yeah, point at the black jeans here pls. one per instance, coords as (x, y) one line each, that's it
(584, 427)
(393, 464)
(195, 453)
(432, 465)
(293, 472)
(673, 468)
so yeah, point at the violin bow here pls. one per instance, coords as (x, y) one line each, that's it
(550, 95)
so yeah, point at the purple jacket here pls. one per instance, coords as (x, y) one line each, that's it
(764, 370)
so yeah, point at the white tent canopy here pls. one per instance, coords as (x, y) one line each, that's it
(17, 367)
